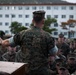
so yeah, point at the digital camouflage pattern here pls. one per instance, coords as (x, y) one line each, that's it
(64, 48)
(2, 51)
(35, 45)
(9, 57)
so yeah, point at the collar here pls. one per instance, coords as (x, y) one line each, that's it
(35, 27)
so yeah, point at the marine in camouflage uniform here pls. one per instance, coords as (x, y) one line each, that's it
(2, 51)
(62, 45)
(10, 54)
(35, 46)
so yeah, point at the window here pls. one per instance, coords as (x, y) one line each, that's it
(48, 7)
(41, 7)
(26, 24)
(48, 16)
(13, 16)
(6, 24)
(56, 8)
(71, 34)
(20, 23)
(7, 16)
(20, 8)
(55, 24)
(72, 25)
(65, 33)
(27, 8)
(20, 16)
(13, 7)
(71, 8)
(71, 16)
(34, 8)
(63, 16)
(0, 23)
(0, 8)
(6, 31)
(7, 8)
(26, 16)
(0, 15)
(63, 7)
(55, 33)
(55, 16)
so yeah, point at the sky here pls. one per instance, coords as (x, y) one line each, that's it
(74, 1)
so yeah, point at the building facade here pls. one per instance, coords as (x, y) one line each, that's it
(21, 11)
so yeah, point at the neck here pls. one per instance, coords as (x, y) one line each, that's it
(38, 25)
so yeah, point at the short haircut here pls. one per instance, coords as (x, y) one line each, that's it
(38, 16)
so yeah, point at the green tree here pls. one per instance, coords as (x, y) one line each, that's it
(47, 24)
(16, 27)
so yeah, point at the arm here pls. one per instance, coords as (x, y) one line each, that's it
(51, 45)
(4, 57)
(53, 51)
(7, 42)
(13, 41)
(4, 42)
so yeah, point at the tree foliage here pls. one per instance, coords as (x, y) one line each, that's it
(47, 24)
(16, 27)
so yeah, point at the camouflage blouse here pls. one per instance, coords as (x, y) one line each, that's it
(35, 45)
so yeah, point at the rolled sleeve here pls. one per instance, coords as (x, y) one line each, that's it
(11, 41)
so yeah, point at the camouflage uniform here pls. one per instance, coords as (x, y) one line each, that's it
(35, 45)
(2, 51)
(9, 57)
(64, 48)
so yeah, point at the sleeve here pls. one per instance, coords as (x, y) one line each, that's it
(11, 42)
(16, 39)
(51, 44)
(53, 51)
(4, 57)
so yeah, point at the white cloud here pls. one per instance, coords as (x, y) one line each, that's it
(74, 1)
